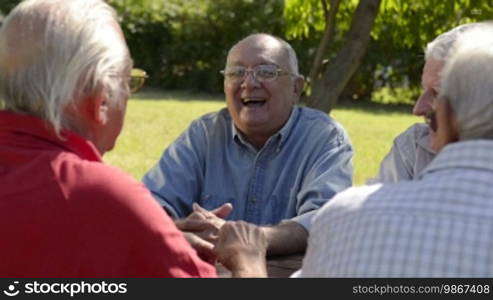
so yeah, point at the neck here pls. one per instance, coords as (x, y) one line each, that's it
(84, 128)
(257, 141)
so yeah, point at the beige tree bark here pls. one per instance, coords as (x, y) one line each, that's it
(327, 88)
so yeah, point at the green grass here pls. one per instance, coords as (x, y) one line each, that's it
(372, 129)
(155, 118)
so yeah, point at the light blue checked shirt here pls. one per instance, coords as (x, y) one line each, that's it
(440, 225)
(299, 168)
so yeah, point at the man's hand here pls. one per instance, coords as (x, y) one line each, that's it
(204, 248)
(241, 248)
(203, 223)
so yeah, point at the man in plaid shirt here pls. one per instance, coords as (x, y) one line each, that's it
(440, 225)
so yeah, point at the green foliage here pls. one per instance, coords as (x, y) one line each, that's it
(401, 31)
(183, 44)
(397, 95)
(303, 18)
(7, 5)
(415, 23)
(403, 28)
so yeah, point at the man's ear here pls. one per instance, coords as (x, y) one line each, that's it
(99, 109)
(299, 85)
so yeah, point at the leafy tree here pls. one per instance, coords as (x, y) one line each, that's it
(395, 50)
(183, 44)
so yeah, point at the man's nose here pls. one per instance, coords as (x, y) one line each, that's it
(250, 80)
(423, 105)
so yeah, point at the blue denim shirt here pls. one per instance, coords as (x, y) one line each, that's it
(297, 170)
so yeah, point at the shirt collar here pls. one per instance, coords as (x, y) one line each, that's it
(281, 135)
(15, 125)
(474, 154)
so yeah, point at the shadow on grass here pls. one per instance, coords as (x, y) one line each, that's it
(155, 94)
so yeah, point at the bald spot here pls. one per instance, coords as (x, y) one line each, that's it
(264, 45)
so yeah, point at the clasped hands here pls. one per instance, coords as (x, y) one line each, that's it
(237, 245)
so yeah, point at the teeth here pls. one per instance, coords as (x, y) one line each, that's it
(248, 100)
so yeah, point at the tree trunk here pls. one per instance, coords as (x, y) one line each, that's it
(330, 16)
(326, 90)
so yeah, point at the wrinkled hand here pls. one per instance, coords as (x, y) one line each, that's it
(203, 223)
(204, 248)
(241, 248)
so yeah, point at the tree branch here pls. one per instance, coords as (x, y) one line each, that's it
(326, 91)
(327, 38)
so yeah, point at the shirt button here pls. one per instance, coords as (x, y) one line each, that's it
(253, 200)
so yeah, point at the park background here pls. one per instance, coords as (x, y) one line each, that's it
(362, 60)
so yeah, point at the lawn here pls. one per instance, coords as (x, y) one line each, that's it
(155, 118)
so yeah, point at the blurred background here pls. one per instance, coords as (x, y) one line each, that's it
(182, 44)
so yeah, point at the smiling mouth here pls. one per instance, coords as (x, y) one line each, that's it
(251, 102)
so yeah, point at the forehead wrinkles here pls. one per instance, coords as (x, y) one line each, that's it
(431, 73)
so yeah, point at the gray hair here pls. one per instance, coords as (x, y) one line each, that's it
(439, 48)
(292, 59)
(56, 53)
(467, 83)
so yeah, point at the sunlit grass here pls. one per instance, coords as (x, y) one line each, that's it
(152, 122)
(154, 119)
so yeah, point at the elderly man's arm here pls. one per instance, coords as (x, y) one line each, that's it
(330, 173)
(286, 237)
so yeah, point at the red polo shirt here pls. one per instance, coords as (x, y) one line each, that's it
(64, 213)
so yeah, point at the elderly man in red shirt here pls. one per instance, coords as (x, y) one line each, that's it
(64, 81)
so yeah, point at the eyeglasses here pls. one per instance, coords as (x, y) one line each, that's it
(261, 73)
(136, 79)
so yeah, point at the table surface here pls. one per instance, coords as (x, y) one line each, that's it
(279, 266)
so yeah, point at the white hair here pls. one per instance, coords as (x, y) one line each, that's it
(439, 48)
(292, 59)
(467, 83)
(56, 53)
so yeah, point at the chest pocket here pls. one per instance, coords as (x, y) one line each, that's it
(281, 206)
